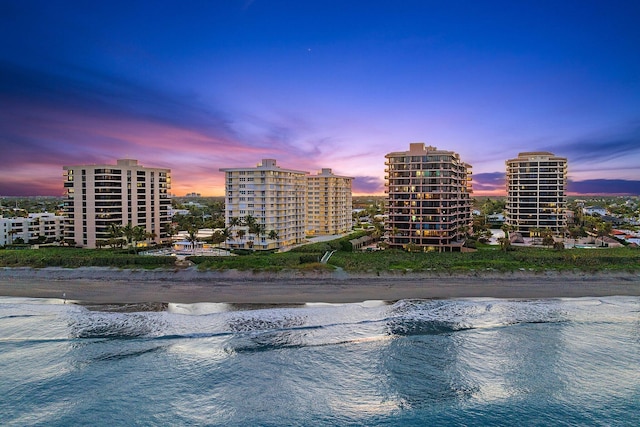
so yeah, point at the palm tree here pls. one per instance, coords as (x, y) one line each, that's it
(150, 236)
(12, 234)
(115, 233)
(249, 221)
(240, 235)
(171, 229)
(506, 228)
(192, 237)
(547, 240)
(574, 232)
(505, 243)
(139, 234)
(234, 222)
(273, 235)
(257, 230)
(226, 234)
(128, 232)
(218, 237)
(603, 229)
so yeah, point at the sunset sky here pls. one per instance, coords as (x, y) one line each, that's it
(199, 85)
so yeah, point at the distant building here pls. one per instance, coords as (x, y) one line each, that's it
(193, 195)
(274, 197)
(496, 220)
(570, 216)
(428, 201)
(173, 212)
(536, 192)
(37, 227)
(99, 196)
(329, 203)
(591, 210)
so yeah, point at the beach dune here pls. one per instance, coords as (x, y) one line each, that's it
(116, 286)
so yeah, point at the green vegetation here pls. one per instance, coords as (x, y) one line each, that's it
(258, 261)
(306, 258)
(341, 244)
(72, 258)
(536, 259)
(204, 212)
(11, 207)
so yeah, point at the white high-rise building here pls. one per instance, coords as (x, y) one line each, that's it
(329, 203)
(99, 196)
(275, 198)
(536, 192)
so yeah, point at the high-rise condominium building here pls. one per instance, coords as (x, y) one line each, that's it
(99, 196)
(428, 200)
(329, 203)
(274, 197)
(536, 192)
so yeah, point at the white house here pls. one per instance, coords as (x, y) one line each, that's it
(590, 210)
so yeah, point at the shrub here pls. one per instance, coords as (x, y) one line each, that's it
(309, 258)
(242, 251)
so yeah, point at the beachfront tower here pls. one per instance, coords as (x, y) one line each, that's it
(329, 203)
(536, 193)
(274, 201)
(101, 196)
(428, 202)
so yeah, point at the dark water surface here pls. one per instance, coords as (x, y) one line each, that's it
(470, 362)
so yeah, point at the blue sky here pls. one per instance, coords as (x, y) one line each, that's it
(200, 85)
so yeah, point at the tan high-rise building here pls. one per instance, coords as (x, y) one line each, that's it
(329, 203)
(98, 196)
(274, 197)
(428, 202)
(536, 192)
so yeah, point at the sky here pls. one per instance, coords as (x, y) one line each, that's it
(196, 86)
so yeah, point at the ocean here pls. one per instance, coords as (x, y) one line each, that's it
(458, 362)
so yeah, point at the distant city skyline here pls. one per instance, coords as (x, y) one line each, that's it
(199, 86)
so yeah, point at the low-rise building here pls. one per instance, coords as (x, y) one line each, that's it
(36, 227)
(594, 210)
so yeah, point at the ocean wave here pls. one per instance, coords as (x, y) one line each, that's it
(115, 325)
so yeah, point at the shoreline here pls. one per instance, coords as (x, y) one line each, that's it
(103, 285)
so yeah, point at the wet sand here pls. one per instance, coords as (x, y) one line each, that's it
(113, 286)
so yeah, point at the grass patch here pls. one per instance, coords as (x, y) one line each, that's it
(74, 258)
(536, 259)
(257, 262)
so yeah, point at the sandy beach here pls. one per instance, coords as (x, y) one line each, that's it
(114, 286)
